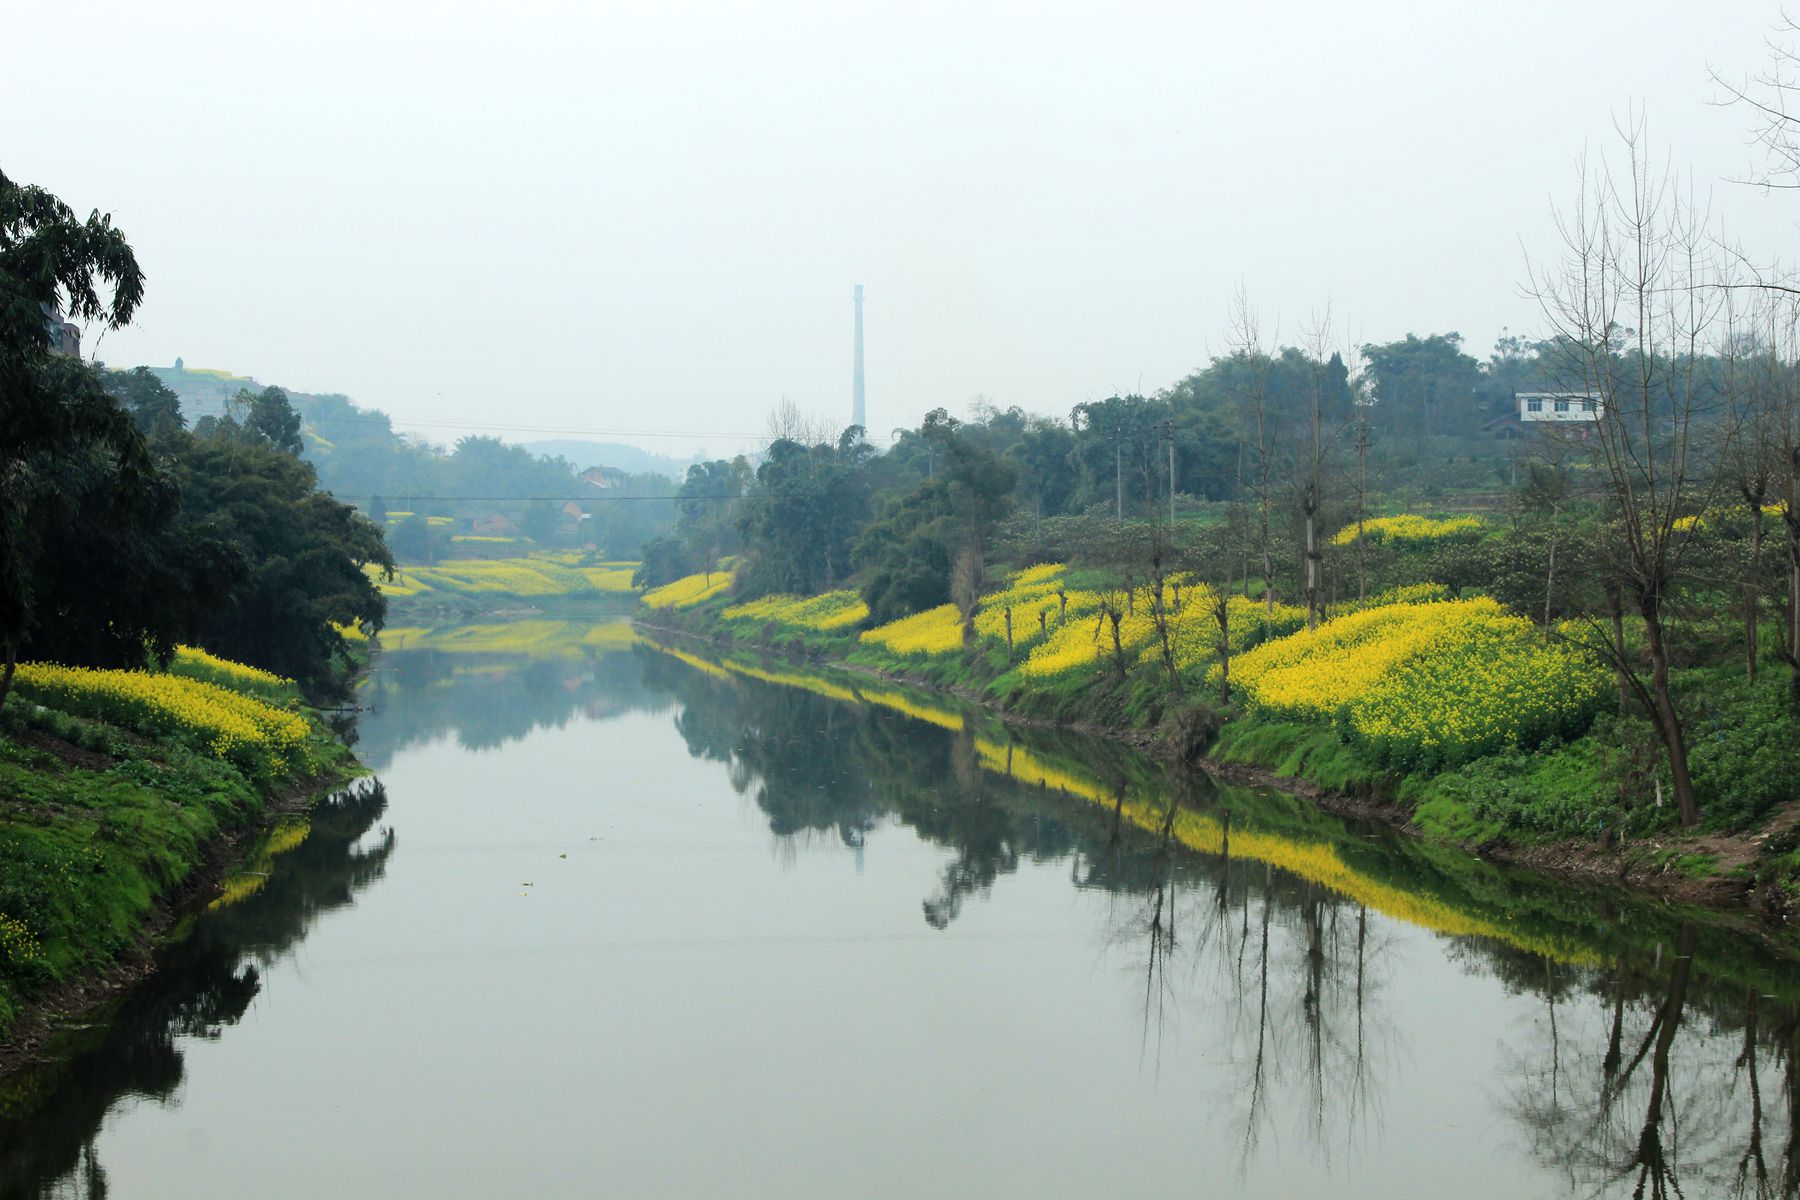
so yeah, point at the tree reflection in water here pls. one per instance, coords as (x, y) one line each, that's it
(1287, 976)
(49, 1117)
(1663, 1061)
(1659, 1085)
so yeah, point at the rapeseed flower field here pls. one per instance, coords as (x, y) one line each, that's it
(263, 741)
(687, 592)
(191, 662)
(934, 631)
(825, 613)
(533, 577)
(1074, 633)
(1407, 530)
(1427, 685)
(539, 639)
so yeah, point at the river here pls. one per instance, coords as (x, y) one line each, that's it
(613, 918)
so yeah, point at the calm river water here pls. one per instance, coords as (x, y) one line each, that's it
(617, 921)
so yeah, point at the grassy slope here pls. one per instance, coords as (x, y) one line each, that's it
(98, 826)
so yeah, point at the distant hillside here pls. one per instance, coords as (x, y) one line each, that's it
(534, 488)
(204, 391)
(583, 454)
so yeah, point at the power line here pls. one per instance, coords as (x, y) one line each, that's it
(407, 497)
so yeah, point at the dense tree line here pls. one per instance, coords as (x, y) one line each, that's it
(122, 532)
(360, 457)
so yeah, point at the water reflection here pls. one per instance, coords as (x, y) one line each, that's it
(1664, 1062)
(488, 685)
(49, 1117)
(1643, 1053)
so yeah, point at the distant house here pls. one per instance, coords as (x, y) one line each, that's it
(573, 511)
(603, 478)
(1559, 406)
(492, 524)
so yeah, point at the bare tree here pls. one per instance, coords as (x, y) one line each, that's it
(1759, 379)
(1633, 302)
(787, 423)
(1312, 467)
(1245, 341)
(1772, 97)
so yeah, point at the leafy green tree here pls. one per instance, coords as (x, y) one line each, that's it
(125, 580)
(1427, 381)
(663, 560)
(305, 551)
(414, 540)
(154, 408)
(801, 518)
(270, 415)
(51, 409)
(940, 529)
(541, 521)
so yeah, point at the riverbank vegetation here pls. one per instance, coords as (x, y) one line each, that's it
(171, 599)
(117, 788)
(1549, 597)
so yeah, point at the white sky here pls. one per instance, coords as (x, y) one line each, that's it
(649, 217)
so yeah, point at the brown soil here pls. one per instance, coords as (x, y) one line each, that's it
(68, 752)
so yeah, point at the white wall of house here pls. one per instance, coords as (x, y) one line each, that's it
(1560, 406)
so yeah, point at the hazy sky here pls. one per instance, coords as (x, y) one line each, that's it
(649, 216)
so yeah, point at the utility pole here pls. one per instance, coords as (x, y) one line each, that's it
(1118, 474)
(1168, 430)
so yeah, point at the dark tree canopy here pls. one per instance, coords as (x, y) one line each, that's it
(58, 426)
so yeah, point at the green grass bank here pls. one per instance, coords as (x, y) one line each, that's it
(122, 797)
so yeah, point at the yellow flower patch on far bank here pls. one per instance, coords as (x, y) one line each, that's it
(1426, 685)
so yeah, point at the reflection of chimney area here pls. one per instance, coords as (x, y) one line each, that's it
(858, 414)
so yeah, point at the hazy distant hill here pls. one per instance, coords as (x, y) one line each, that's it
(204, 391)
(583, 454)
(360, 456)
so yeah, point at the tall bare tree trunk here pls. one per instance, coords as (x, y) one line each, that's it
(1752, 585)
(1222, 616)
(1791, 522)
(1663, 714)
(1362, 511)
(1550, 574)
(1615, 609)
(1310, 505)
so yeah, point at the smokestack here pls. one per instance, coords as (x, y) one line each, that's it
(858, 414)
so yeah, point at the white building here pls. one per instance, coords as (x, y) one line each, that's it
(1559, 406)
